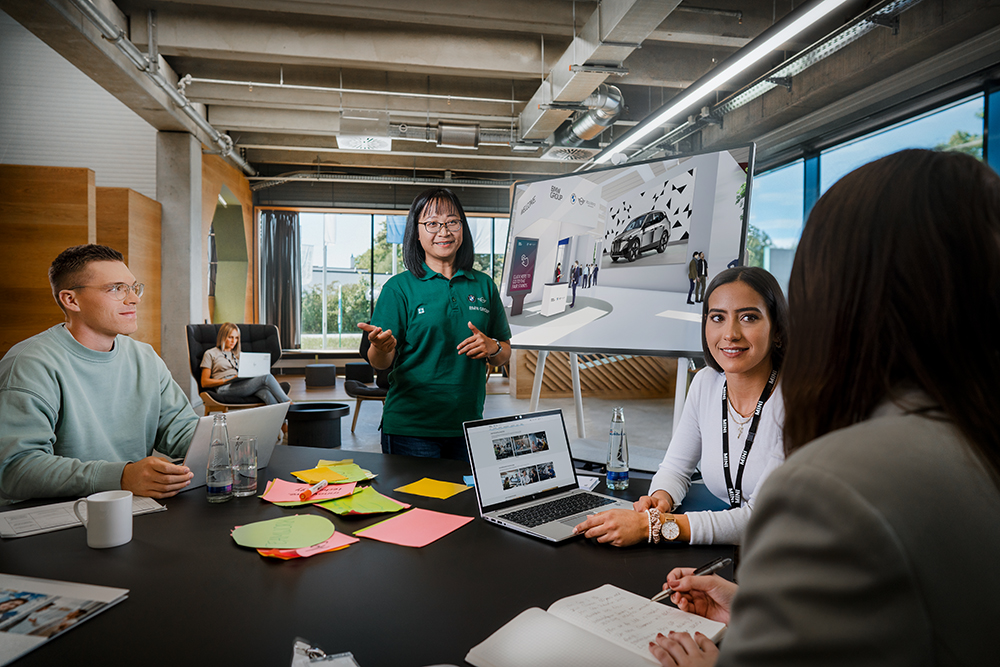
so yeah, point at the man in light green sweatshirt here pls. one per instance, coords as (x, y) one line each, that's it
(82, 405)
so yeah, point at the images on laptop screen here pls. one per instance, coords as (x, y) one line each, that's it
(520, 457)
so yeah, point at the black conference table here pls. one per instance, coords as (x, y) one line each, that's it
(196, 597)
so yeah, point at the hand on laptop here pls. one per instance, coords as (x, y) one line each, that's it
(155, 477)
(620, 528)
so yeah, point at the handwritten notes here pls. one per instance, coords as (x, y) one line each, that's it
(366, 501)
(416, 528)
(433, 488)
(288, 532)
(286, 494)
(627, 619)
(336, 543)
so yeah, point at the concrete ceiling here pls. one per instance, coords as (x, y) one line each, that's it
(278, 75)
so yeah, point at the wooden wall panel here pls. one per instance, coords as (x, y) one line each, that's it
(130, 223)
(216, 172)
(43, 211)
(602, 376)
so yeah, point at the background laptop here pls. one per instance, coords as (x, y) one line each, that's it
(263, 422)
(253, 364)
(523, 466)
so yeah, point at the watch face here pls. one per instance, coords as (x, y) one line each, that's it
(670, 530)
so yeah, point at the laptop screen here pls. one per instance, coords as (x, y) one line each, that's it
(519, 457)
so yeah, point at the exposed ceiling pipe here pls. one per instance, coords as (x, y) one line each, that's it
(116, 36)
(188, 80)
(605, 104)
(262, 182)
(487, 136)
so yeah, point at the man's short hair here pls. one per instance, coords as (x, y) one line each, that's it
(68, 267)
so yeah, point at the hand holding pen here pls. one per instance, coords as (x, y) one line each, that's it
(704, 570)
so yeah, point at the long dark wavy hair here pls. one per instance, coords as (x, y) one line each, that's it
(896, 285)
(413, 252)
(767, 287)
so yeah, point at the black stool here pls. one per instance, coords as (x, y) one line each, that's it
(321, 375)
(315, 423)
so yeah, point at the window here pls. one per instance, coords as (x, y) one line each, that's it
(776, 219)
(958, 126)
(346, 258)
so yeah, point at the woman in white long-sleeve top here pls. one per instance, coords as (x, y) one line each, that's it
(731, 427)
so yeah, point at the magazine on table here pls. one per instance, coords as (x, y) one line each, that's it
(34, 611)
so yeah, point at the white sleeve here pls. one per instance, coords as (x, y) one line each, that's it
(684, 450)
(728, 526)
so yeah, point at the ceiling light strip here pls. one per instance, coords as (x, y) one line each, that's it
(755, 51)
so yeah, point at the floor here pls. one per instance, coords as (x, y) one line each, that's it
(648, 422)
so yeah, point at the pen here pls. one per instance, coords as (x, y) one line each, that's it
(315, 488)
(707, 568)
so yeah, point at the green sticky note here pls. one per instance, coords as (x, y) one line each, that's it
(353, 472)
(287, 532)
(365, 501)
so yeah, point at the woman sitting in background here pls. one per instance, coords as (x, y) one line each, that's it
(876, 542)
(221, 364)
(744, 321)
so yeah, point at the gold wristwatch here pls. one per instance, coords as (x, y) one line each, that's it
(669, 528)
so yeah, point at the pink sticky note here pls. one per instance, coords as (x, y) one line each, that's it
(416, 528)
(280, 491)
(337, 541)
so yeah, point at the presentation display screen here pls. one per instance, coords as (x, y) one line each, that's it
(599, 261)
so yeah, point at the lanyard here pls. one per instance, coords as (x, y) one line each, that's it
(736, 490)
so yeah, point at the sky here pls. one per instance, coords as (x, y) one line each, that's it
(777, 196)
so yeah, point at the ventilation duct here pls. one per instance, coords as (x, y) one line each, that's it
(578, 140)
(605, 106)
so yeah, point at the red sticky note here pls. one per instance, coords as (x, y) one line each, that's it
(416, 528)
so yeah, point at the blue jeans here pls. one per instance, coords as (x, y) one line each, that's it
(264, 387)
(435, 448)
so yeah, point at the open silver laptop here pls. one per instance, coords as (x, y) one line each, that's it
(254, 364)
(524, 471)
(264, 422)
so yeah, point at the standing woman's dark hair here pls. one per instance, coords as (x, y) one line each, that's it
(767, 287)
(433, 199)
(896, 285)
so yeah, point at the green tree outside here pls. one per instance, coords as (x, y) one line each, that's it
(757, 240)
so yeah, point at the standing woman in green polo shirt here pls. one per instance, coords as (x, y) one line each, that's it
(439, 324)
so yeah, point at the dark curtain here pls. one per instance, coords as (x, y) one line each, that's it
(281, 274)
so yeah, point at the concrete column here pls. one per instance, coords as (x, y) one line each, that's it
(178, 189)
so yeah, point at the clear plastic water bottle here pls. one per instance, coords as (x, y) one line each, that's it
(618, 452)
(219, 475)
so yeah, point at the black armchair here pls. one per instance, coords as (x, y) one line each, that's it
(253, 338)
(362, 391)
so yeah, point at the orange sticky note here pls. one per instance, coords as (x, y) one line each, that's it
(314, 475)
(416, 528)
(337, 542)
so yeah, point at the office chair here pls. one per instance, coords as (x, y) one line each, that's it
(362, 391)
(253, 338)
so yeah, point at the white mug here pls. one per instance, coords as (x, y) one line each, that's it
(109, 518)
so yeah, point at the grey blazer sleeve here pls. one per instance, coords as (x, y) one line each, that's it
(823, 581)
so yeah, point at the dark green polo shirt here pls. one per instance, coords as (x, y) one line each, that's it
(433, 389)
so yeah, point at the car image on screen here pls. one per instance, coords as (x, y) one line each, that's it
(648, 231)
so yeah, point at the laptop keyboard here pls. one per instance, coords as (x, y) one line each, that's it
(557, 509)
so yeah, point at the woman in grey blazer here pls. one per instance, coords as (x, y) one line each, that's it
(876, 542)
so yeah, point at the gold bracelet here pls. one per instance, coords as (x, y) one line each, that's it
(654, 525)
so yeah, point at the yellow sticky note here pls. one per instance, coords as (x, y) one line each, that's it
(334, 463)
(433, 488)
(315, 475)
